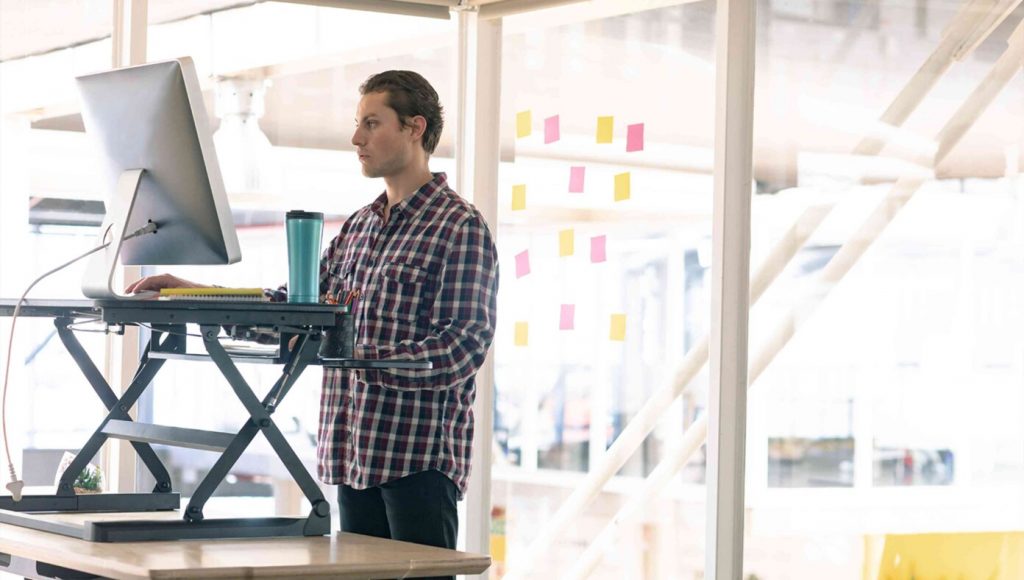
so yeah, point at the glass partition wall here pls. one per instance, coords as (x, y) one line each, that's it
(886, 400)
(605, 240)
(884, 369)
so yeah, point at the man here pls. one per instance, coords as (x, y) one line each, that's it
(420, 267)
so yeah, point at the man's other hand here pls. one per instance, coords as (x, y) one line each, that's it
(159, 282)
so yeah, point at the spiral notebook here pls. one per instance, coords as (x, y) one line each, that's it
(215, 294)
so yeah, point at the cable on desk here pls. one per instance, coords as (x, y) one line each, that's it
(151, 329)
(15, 485)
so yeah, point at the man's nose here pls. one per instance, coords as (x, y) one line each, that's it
(357, 137)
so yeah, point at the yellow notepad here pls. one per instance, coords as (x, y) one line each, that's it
(228, 294)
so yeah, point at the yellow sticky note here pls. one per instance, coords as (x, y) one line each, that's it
(522, 333)
(618, 329)
(524, 124)
(605, 129)
(565, 242)
(518, 197)
(622, 186)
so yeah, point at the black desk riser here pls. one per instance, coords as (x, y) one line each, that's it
(167, 321)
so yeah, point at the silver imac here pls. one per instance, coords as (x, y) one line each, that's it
(160, 167)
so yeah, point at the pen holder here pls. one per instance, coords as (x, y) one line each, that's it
(339, 340)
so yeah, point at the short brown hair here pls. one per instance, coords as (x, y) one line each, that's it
(410, 95)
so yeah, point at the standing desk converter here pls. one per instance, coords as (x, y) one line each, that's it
(167, 321)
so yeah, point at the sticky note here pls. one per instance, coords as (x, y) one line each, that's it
(565, 242)
(618, 327)
(565, 320)
(522, 263)
(635, 137)
(551, 132)
(576, 179)
(622, 186)
(524, 124)
(605, 129)
(518, 197)
(522, 334)
(597, 249)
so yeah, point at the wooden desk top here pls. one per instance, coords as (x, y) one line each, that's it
(338, 556)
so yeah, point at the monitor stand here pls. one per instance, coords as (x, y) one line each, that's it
(98, 281)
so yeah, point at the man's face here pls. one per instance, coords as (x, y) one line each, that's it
(384, 146)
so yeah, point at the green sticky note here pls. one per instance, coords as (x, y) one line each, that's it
(622, 186)
(524, 124)
(518, 197)
(605, 129)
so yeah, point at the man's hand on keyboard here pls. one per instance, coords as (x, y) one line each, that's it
(159, 282)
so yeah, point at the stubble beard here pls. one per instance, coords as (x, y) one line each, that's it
(391, 166)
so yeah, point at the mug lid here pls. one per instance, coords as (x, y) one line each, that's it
(298, 214)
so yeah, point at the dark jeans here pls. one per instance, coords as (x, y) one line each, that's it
(419, 508)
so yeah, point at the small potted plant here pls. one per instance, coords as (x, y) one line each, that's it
(89, 480)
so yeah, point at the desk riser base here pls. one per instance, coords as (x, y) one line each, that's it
(207, 529)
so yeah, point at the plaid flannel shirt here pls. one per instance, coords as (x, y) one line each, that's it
(427, 282)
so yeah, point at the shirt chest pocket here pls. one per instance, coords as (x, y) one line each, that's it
(406, 291)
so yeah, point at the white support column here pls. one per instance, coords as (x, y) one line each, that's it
(118, 459)
(128, 40)
(477, 151)
(730, 268)
(15, 274)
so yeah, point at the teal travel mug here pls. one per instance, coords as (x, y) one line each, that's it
(304, 229)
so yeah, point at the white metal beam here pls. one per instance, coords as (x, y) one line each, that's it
(971, 25)
(730, 287)
(477, 156)
(549, 14)
(423, 9)
(128, 39)
(489, 10)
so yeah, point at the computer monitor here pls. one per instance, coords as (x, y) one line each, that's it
(159, 166)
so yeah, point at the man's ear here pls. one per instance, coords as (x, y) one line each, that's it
(418, 126)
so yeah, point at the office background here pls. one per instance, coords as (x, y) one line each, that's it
(888, 399)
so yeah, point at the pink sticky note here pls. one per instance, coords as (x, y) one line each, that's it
(551, 132)
(635, 137)
(576, 179)
(597, 249)
(523, 263)
(566, 319)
